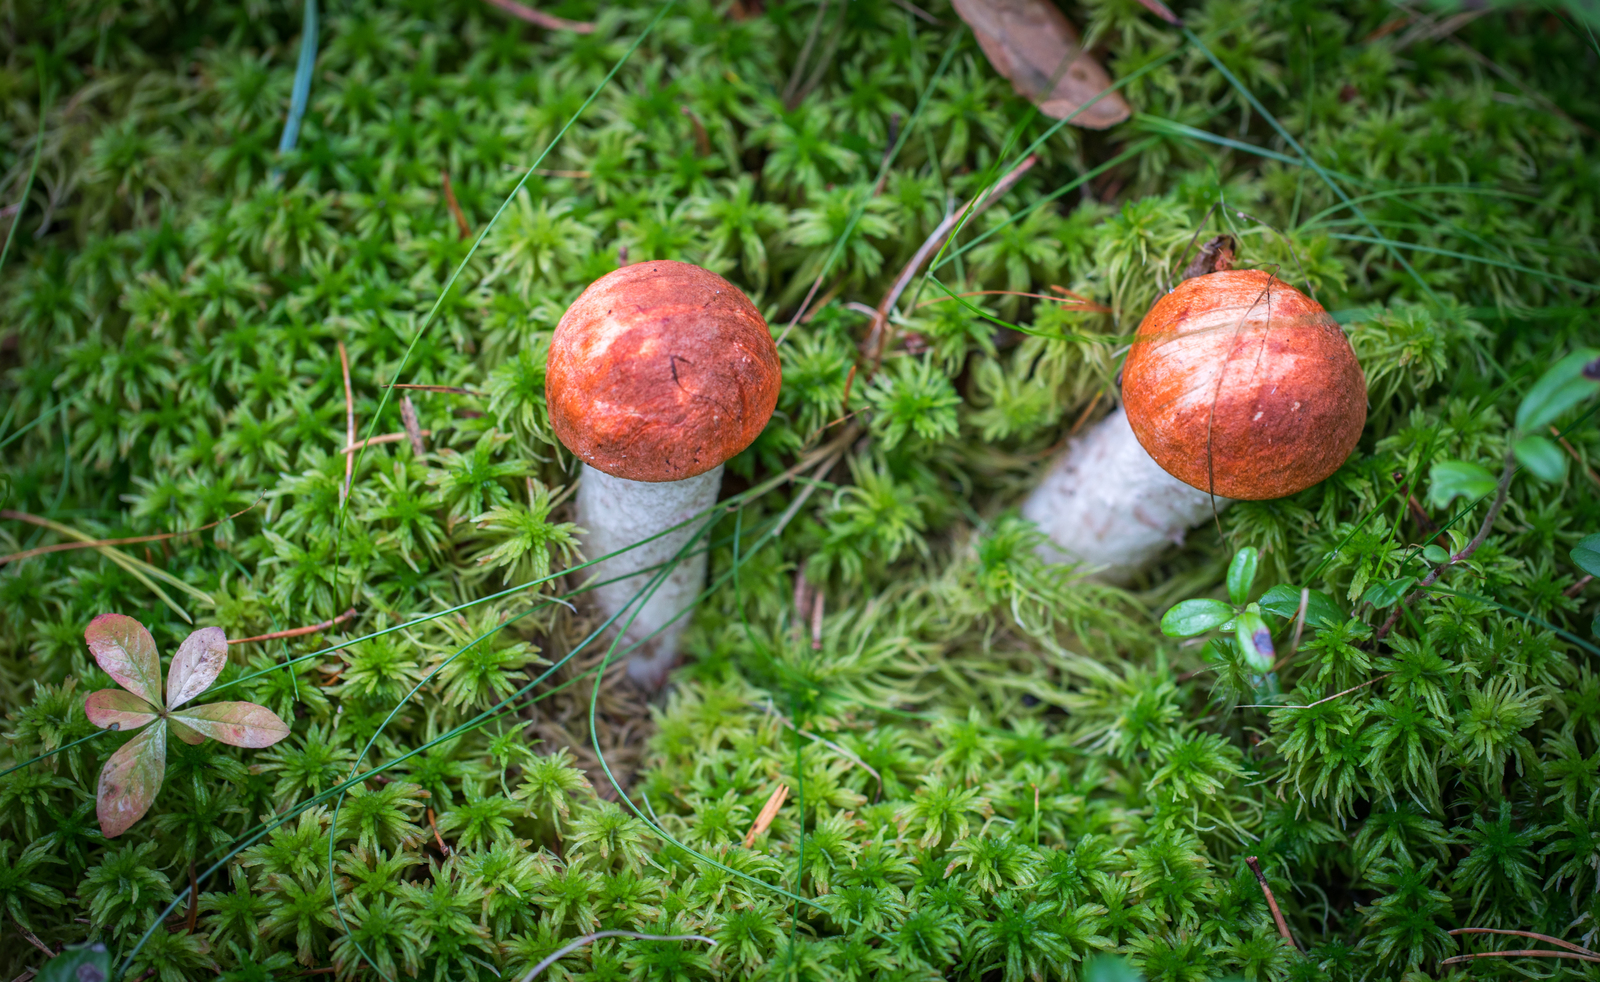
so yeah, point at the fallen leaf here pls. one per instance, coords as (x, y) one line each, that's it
(130, 780)
(1030, 42)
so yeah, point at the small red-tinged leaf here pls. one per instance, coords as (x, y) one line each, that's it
(130, 780)
(187, 734)
(240, 724)
(128, 654)
(113, 707)
(200, 659)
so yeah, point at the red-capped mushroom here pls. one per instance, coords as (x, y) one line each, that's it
(1238, 386)
(658, 374)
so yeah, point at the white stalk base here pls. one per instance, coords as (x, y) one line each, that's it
(1106, 505)
(619, 513)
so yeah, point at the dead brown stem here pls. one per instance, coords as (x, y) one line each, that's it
(1576, 456)
(878, 337)
(349, 425)
(32, 939)
(1525, 934)
(1520, 953)
(296, 632)
(769, 811)
(408, 416)
(1272, 902)
(382, 439)
(541, 19)
(455, 206)
(452, 389)
(97, 543)
(1577, 588)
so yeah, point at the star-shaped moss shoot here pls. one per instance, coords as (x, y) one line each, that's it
(127, 652)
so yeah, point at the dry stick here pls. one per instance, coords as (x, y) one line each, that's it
(769, 811)
(444, 850)
(1272, 902)
(350, 425)
(374, 441)
(541, 19)
(32, 939)
(296, 632)
(816, 620)
(408, 416)
(1503, 489)
(22, 516)
(878, 337)
(917, 11)
(579, 942)
(1575, 456)
(805, 54)
(455, 206)
(1092, 308)
(1520, 953)
(1319, 702)
(1580, 949)
(452, 389)
(1577, 588)
(702, 139)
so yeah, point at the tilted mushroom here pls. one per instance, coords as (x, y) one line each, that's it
(1238, 386)
(658, 374)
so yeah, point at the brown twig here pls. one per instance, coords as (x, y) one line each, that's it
(878, 337)
(22, 516)
(817, 601)
(1162, 11)
(576, 175)
(408, 416)
(1502, 489)
(1520, 953)
(349, 424)
(296, 632)
(382, 439)
(1074, 301)
(455, 206)
(769, 811)
(1319, 702)
(443, 849)
(32, 939)
(1580, 949)
(452, 389)
(1577, 588)
(702, 139)
(1575, 456)
(1272, 902)
(917, 11)
(539, 18)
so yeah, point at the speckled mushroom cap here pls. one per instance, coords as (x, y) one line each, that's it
(1241, 385)
(660, 371)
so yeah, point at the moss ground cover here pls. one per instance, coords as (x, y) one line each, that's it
(994, 769)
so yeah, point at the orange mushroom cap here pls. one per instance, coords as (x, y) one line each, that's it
(1241, 385)
(661, 371)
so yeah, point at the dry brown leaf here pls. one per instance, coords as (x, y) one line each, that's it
(1030, 42)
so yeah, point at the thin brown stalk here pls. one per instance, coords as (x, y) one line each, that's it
(849, 380)
(817, 602)
(32, 939)
(1272, 902)
(194, 901)
(1074, 302)
(805, 54)
(296, 632)
(408, 416)
(452, 389)
(539, 18)
(382, 439)
(1580, 949)
(444, 850)
(349, 425)
(1319, 702)
(878, 337)
(764, 818)
(97, 543)
(1577, 588)
(576, 175)
(1520, 953)
(702, 139)
(918, 12)
(455, 206)
(1587, 470)
(1503, 488)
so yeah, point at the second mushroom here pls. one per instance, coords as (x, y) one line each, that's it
(658, 374)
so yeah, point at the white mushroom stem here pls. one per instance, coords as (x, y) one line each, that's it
(619, 513)
(1106, 505)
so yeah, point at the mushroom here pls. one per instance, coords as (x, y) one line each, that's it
(658, 374)
(1238, 386)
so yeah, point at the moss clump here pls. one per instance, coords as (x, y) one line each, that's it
(993, 770)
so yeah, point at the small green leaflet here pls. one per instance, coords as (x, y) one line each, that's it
(1586, 554)
(1192, 617)
(1568, 382)
(1451, 478)
(1388, 593)
(1284, 601)
(1541, 456)
(1241, 574)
